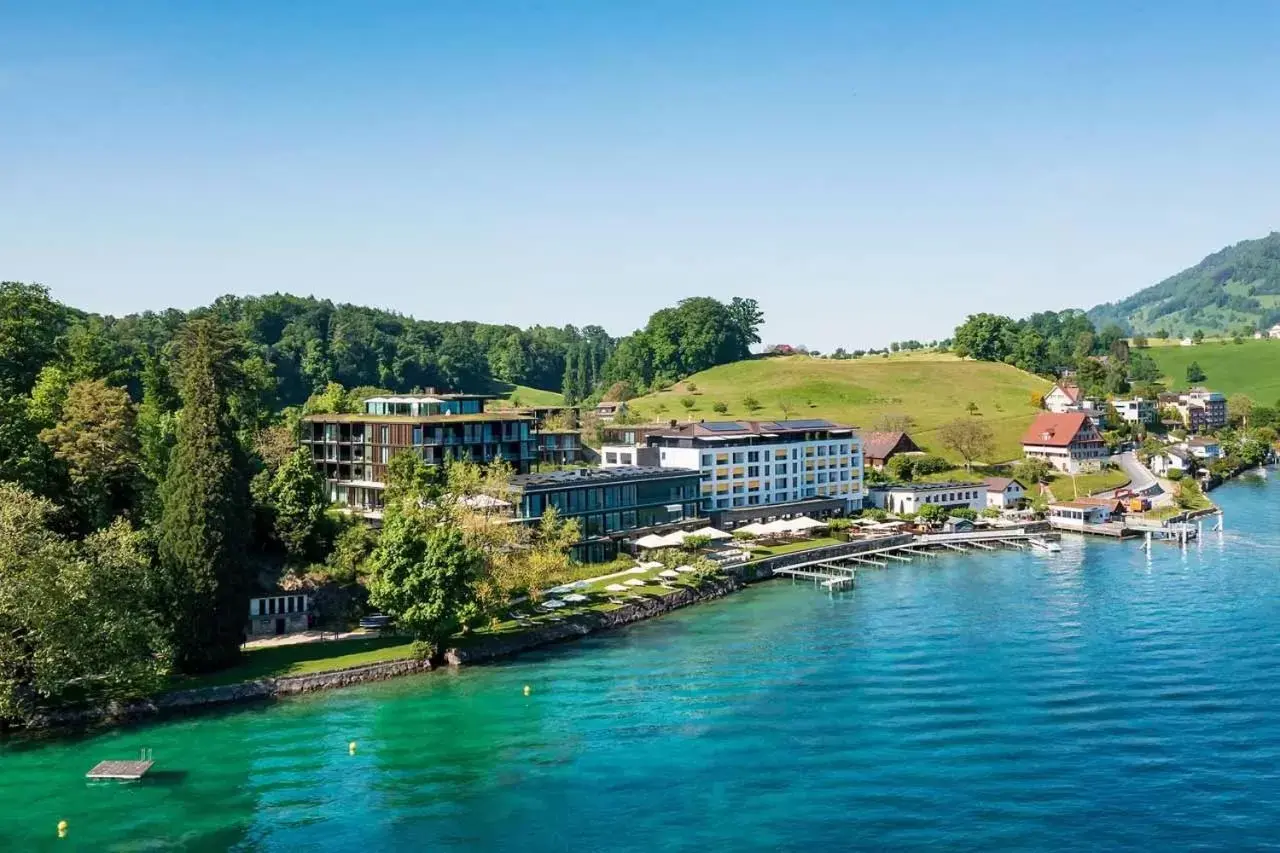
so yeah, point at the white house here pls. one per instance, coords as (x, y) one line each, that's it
(1004, 493)
(1171, 459)
(1136, 410)
(910, 497)
(1274, 331)
(1077, 514)
(1064, 397)
(1203, 447)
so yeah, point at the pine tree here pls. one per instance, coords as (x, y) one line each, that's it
(582, 385)
(569, 383)
(205, 505)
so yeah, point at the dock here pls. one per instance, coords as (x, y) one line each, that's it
(125, 771)
(842, 571)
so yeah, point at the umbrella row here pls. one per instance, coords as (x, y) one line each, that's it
(675, 540)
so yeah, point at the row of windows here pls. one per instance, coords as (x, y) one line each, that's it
(579, 500)
(741, 456)
(776, 497)
(282, 604)
(726, 473)
(951, 497)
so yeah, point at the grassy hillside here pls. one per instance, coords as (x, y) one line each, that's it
(931, 388)
(525, 395)
(1238, 286)
(1251, 368)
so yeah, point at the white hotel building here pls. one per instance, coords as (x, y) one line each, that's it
(759, 469)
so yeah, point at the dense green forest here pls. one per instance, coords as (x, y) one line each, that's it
(150, 477)
(1235, 290)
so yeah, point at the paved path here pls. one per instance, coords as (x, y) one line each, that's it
(1142, 480)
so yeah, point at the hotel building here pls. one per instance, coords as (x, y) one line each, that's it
(750, 470)
(351, 451)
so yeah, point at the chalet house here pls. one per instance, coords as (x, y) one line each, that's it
(1065, 397)
(879, 447)
(1005, 493)
(606, 411)
(1069, 442)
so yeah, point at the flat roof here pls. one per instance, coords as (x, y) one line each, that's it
(426, 398)
(928, 487)
(361, 417)
(598, 476)
(728, 430)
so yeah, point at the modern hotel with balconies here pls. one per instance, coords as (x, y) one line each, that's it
(351, 451)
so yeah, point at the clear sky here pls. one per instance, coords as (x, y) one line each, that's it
(867, 171)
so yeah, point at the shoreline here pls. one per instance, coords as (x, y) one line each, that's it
(483, 649)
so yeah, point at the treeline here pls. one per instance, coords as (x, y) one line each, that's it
(1052, 343)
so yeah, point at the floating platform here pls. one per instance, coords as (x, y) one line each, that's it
(123, 770)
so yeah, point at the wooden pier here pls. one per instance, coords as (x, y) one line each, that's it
(839, 572)
(125, 771)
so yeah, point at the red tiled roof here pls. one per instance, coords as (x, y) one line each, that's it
(1050, 430)
(1073, 392)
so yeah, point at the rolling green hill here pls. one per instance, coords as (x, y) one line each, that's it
(525, 396)
(1251, 367)
(1238, 286)
(932, 389)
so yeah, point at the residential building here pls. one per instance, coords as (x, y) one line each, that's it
(351, 451)
(606, 411)
(879, 447)
(1063, 397)
(629, 444)
(1067, 397)
(1204, 447)
(1274, 332)
(557, 447)
(1136, 410)
(1202, 410)
(751, 470)
(1005, 493)
(1171, 459)
(610, 504)
(910, 497)
(1069, 442)
(275, 613)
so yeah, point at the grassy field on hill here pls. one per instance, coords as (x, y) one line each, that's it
(1251, 367)
(527, 396)
(931, 388)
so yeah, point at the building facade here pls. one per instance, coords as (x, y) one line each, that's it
(904, 498)
(1136, 410)
(558, 447)
(611, 505)
(1069, 442)
(351, 451)
(279, 613)
(1202, 410)
(1005, 493)
(745, 464)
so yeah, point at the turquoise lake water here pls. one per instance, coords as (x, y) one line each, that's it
(1099, 698)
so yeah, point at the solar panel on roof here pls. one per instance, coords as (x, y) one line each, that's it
(804, 424)
(723, 426)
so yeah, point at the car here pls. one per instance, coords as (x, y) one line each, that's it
(376, 621)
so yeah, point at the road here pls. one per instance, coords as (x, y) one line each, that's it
(1141, 479)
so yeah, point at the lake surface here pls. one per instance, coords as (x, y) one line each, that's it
(1099, 698)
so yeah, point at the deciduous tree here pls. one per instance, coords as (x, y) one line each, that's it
(969, 437)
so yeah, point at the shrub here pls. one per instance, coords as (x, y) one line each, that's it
(744, 535)
(964, 512)
(991, 512)
(719, 407)
(923, 465)
(931, 512)
(901, 467)
(875, 514)
(1175, 475)
(691, 387)
(751, 404)
(688, 402)
(422, 650)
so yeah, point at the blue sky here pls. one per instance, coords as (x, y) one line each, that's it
(867, 171)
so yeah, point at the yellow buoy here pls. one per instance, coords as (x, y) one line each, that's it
(351, 748)
(527, 690)
(62, 829)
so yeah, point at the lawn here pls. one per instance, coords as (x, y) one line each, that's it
(762, 551)
(526, 396)
(931, 388)
(303, 659)
(1087, 484)
(1251, 367)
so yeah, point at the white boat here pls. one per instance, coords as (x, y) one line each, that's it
(1046, 546)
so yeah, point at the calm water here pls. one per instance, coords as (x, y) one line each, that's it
(1099, 698)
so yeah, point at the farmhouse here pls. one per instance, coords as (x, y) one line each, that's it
(1005, 493)
(879, 447)
(1069, 442)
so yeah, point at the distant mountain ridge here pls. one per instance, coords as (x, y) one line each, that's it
(1233, 288)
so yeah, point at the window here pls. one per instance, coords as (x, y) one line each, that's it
(753, 470)
(737, 458)
(384, 434)
(753, 456)
(626, 459)
(706, 460)
(611, 458)
(780, 469)
(262, 607)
